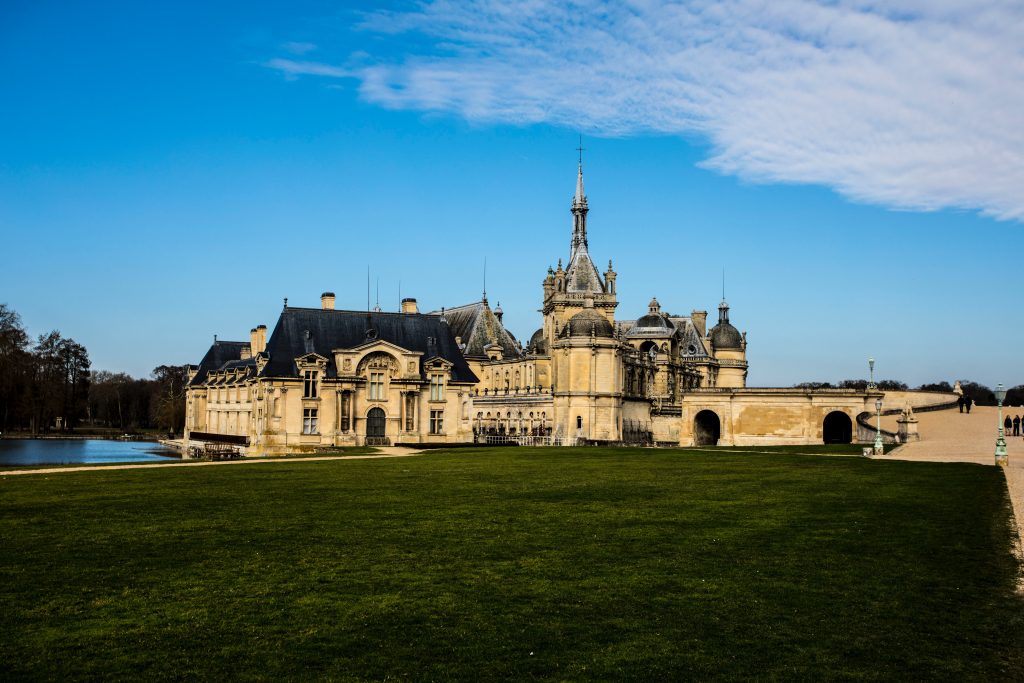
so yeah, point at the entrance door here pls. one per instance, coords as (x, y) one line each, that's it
(707, 428)
(375, 424)
(837, 428)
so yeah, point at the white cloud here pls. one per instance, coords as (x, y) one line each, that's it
(910, 104)
(290, 67)
(298, 48)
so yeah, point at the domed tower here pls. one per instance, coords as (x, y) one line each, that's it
(729, 348)
(587, 377)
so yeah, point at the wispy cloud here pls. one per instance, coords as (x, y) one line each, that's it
(290, 67)
(913, 104)
(298, 48)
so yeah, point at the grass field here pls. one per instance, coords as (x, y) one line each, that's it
(561, 564)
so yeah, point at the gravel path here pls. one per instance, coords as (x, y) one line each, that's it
(952, 436)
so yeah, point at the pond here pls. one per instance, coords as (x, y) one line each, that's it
(80, 451)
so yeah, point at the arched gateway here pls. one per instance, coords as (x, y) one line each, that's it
(375, 424)
(707, 428)
(837, 428)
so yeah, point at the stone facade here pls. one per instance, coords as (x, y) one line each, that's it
(328, 378)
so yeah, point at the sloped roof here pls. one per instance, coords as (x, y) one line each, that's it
(478, 327)
(220, 354)
(582, 275)
(334, 329)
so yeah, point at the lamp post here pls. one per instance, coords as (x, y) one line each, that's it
(878, 427)
(871, 369)
(1001, 457)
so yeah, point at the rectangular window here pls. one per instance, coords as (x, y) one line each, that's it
(376, 386)
(346, 402)
(437, 387)
(436, 421)
(309, 421)
(309, 384)
(410, 411)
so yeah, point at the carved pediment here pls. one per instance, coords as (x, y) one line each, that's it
(378, 360)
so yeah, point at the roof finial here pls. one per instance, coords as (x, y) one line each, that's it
(723, 283)
(485, 278)
(286, 302)
(581, 149)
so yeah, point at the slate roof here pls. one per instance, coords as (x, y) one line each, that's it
(684, 330)
(586, 323)
(335, 329)
(478, 327)
(582, 275)
(219, 355)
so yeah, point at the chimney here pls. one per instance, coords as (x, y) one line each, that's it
(258, 339)
(700, 321)
(254, 344)
(409, 305)
(327, 301)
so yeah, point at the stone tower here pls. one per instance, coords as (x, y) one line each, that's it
(579, 317)
(729, 348)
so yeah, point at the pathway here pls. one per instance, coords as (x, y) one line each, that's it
(952, 436)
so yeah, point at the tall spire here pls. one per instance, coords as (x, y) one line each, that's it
(579, 209)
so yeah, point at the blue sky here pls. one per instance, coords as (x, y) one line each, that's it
(171, 171)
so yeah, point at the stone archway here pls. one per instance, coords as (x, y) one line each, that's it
(707, 428)
(375, 424)
(837, 427)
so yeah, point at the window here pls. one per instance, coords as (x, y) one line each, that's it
(436, 421)
(309, 421)
(309, 384)
(579, 422)
(346, 411)
(437, 387)
(376, 386)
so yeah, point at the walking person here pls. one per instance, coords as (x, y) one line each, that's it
(1008, 425)
(960, 403)
(1016, 425)
(967, 404)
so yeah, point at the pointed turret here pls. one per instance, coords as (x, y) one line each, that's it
(581, 275)
(579, 216)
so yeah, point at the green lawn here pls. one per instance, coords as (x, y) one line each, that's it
(511, 564)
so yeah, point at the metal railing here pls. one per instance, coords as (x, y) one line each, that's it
(519, 440)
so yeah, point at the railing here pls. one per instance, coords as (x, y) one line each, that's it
(377, 441)
(866, 430)
(219, 438)
(519, 440)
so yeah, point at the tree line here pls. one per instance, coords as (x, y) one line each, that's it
(47, 385)
(979, 393)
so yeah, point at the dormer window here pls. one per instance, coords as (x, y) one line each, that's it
(309, 384)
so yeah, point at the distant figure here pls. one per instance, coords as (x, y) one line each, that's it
(960, 403)
(968, 402)
(1008, 425)
(1016, 425)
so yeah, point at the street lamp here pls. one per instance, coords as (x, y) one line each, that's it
(1001, 457)
(878, 427)
(871, 369)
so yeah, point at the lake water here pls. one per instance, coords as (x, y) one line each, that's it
(85, 451)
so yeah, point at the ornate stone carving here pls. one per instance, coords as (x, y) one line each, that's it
(378, 360)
